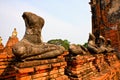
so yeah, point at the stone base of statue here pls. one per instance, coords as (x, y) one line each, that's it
(80, 67)
(48, 69)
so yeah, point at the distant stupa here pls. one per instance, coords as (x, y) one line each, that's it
(14, 33)
(0, 40)
(1, 45)
(11, 41)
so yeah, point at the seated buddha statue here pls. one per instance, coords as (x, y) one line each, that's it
(109, 46)
(102, 44)
(78, 49)
(92, 47)
(31, 47)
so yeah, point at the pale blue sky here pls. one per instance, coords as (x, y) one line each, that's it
(64, 19)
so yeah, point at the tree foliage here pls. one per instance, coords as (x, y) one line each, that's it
(85, 45)
(65, 43)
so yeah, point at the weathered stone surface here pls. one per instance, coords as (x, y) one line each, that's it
(31, 46)
(102, 44)
(92, 47)
(38, 62)
(109, 46)
(78, 49)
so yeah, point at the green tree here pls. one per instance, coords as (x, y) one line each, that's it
(85, 45)
(65, 43)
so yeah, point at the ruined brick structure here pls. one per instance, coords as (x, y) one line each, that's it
(80, 67)
(106, 20)
(87, 66)
(69, 65)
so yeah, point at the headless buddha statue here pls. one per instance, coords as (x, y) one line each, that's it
(31, 47)
(109, 47)
(92, 47)
(102, 45)
(78, 49)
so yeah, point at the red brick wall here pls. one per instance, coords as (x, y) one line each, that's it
(106, 20)
(80, 67)
(88, 67)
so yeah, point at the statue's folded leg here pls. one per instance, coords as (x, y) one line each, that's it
(45, 55)
(93, 49)
(37, 51)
